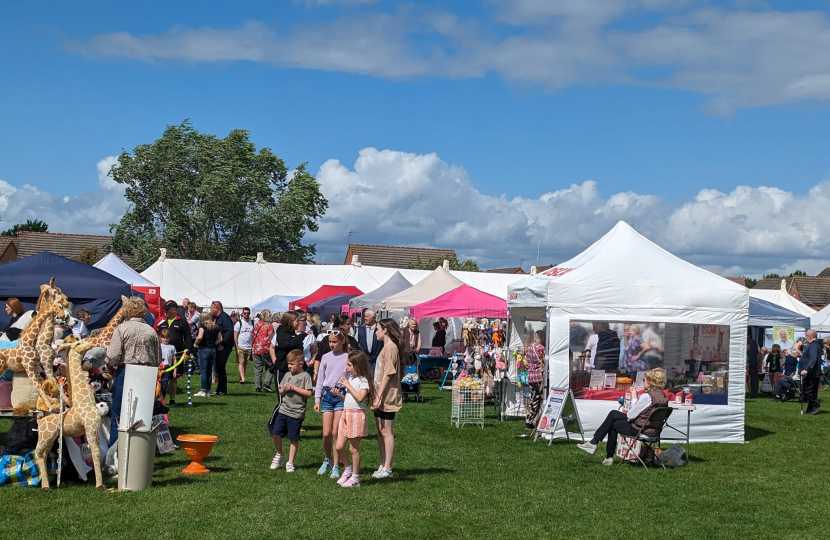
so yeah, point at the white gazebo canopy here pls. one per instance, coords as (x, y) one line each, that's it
(440, 281)
(624, 277)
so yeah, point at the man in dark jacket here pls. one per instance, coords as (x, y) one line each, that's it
(608, 348)
(366, 339)
(810, 366)
(223, 351)
(180, 336)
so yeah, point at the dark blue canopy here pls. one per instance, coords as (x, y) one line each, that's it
(330, 306)
(766, 314)
(84, 285)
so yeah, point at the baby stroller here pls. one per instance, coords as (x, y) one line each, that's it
(411, 382)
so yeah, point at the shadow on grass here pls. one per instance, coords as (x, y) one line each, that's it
(405, 473)
(752, 433)
(178, 481)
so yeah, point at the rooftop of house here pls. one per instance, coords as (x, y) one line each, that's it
(812, 290)
(513, 270)
(66, 245)
(395, 256)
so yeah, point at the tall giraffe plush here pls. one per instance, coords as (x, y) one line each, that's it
(83, 418)
(23, 356)
(105, 335)
(43, 344)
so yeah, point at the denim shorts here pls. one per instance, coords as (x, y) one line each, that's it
(329, 402)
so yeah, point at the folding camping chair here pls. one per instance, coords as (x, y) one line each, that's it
(657, 420)
(825, 379)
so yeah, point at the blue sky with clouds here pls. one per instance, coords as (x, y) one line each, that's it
(481, 123)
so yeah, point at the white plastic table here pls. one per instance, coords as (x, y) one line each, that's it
(688, 409)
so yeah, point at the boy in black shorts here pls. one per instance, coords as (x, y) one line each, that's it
(295, 389)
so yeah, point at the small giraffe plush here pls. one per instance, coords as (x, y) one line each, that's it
(83, 418)
(105, 336)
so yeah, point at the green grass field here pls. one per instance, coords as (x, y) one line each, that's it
(448, 482)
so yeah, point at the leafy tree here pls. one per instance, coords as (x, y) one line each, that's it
(750, 282)
(791, 274)
(88, 255)
(203, 197)
(35, 225)
(470, 265)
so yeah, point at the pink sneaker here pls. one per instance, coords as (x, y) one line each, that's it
(344, 477)
(353, 481)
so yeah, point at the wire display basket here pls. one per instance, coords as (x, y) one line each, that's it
(467, 403)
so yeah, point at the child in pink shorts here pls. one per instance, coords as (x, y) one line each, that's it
(353, 423)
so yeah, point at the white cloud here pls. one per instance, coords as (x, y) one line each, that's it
(397, 198)
(89, 213)
(104, 178)
(740, 57)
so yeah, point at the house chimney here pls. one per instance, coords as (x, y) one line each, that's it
(356, 261)
(260, 257)
(446, 265)
(533, 271)
(162, 255)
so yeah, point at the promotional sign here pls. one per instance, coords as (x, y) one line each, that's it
(610, 381)
(560, 406)
(164, 442)
(597, 379)
(784, 337)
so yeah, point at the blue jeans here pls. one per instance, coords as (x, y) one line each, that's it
(115, 406)
(207, 358)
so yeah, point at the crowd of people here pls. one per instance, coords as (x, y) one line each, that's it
(789, 365)
(348, 371)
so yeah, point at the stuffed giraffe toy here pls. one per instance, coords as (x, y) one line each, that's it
(105, 336)
(83, 418)
(23, 356)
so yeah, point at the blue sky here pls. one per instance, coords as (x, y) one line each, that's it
(651, 102)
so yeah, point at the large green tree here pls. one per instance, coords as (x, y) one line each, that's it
(203, 197)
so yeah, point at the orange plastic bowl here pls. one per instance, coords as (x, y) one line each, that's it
(197, 448)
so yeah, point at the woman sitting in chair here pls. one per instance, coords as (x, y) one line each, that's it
(618, 423)
(790, 367)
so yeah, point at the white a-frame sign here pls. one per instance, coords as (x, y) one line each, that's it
(560, 405)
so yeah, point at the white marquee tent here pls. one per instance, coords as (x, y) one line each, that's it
(783, 299)
(111, 264)
(625, 277)
(240, 284)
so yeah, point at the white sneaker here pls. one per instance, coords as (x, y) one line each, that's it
(289, 467)
(608, 461)
(200, 393)
(275, 463)
(588, 447)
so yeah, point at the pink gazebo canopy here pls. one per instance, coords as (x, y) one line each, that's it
(458, 303)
